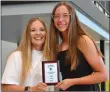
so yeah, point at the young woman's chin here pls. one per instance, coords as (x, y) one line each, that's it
(63, 30)
(38, 43)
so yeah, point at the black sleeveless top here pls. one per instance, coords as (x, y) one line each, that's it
(82, 69)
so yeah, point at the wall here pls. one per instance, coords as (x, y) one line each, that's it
(7, 48)
(107, 60)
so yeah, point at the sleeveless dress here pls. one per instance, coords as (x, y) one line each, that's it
(82, 69)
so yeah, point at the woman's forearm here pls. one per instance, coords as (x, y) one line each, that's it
(11, 87)
(96, 77)
(18, 88)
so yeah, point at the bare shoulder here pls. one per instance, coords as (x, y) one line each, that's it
(85, 40)
(88, 48)
(86, 44)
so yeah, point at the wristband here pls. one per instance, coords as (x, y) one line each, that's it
(27, 88)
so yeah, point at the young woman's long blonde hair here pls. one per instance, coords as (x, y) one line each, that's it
(75, 31)
(26, 49)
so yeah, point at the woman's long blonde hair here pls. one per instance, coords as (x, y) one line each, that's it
(75, 31)
(26, 49)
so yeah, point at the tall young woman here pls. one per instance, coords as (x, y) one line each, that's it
(81, 62)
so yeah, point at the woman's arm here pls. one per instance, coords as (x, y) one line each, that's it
(100, 74)
(17, 88)
(11, 87)
(95, 61)
(11, 78)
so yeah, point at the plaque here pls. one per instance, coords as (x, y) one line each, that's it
(50, 72)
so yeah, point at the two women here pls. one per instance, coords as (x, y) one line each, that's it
(81, 63)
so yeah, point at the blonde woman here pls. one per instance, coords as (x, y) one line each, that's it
(23, 71)
(81, 63)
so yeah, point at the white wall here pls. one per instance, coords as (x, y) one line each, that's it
(7, 48)
(107, 60)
